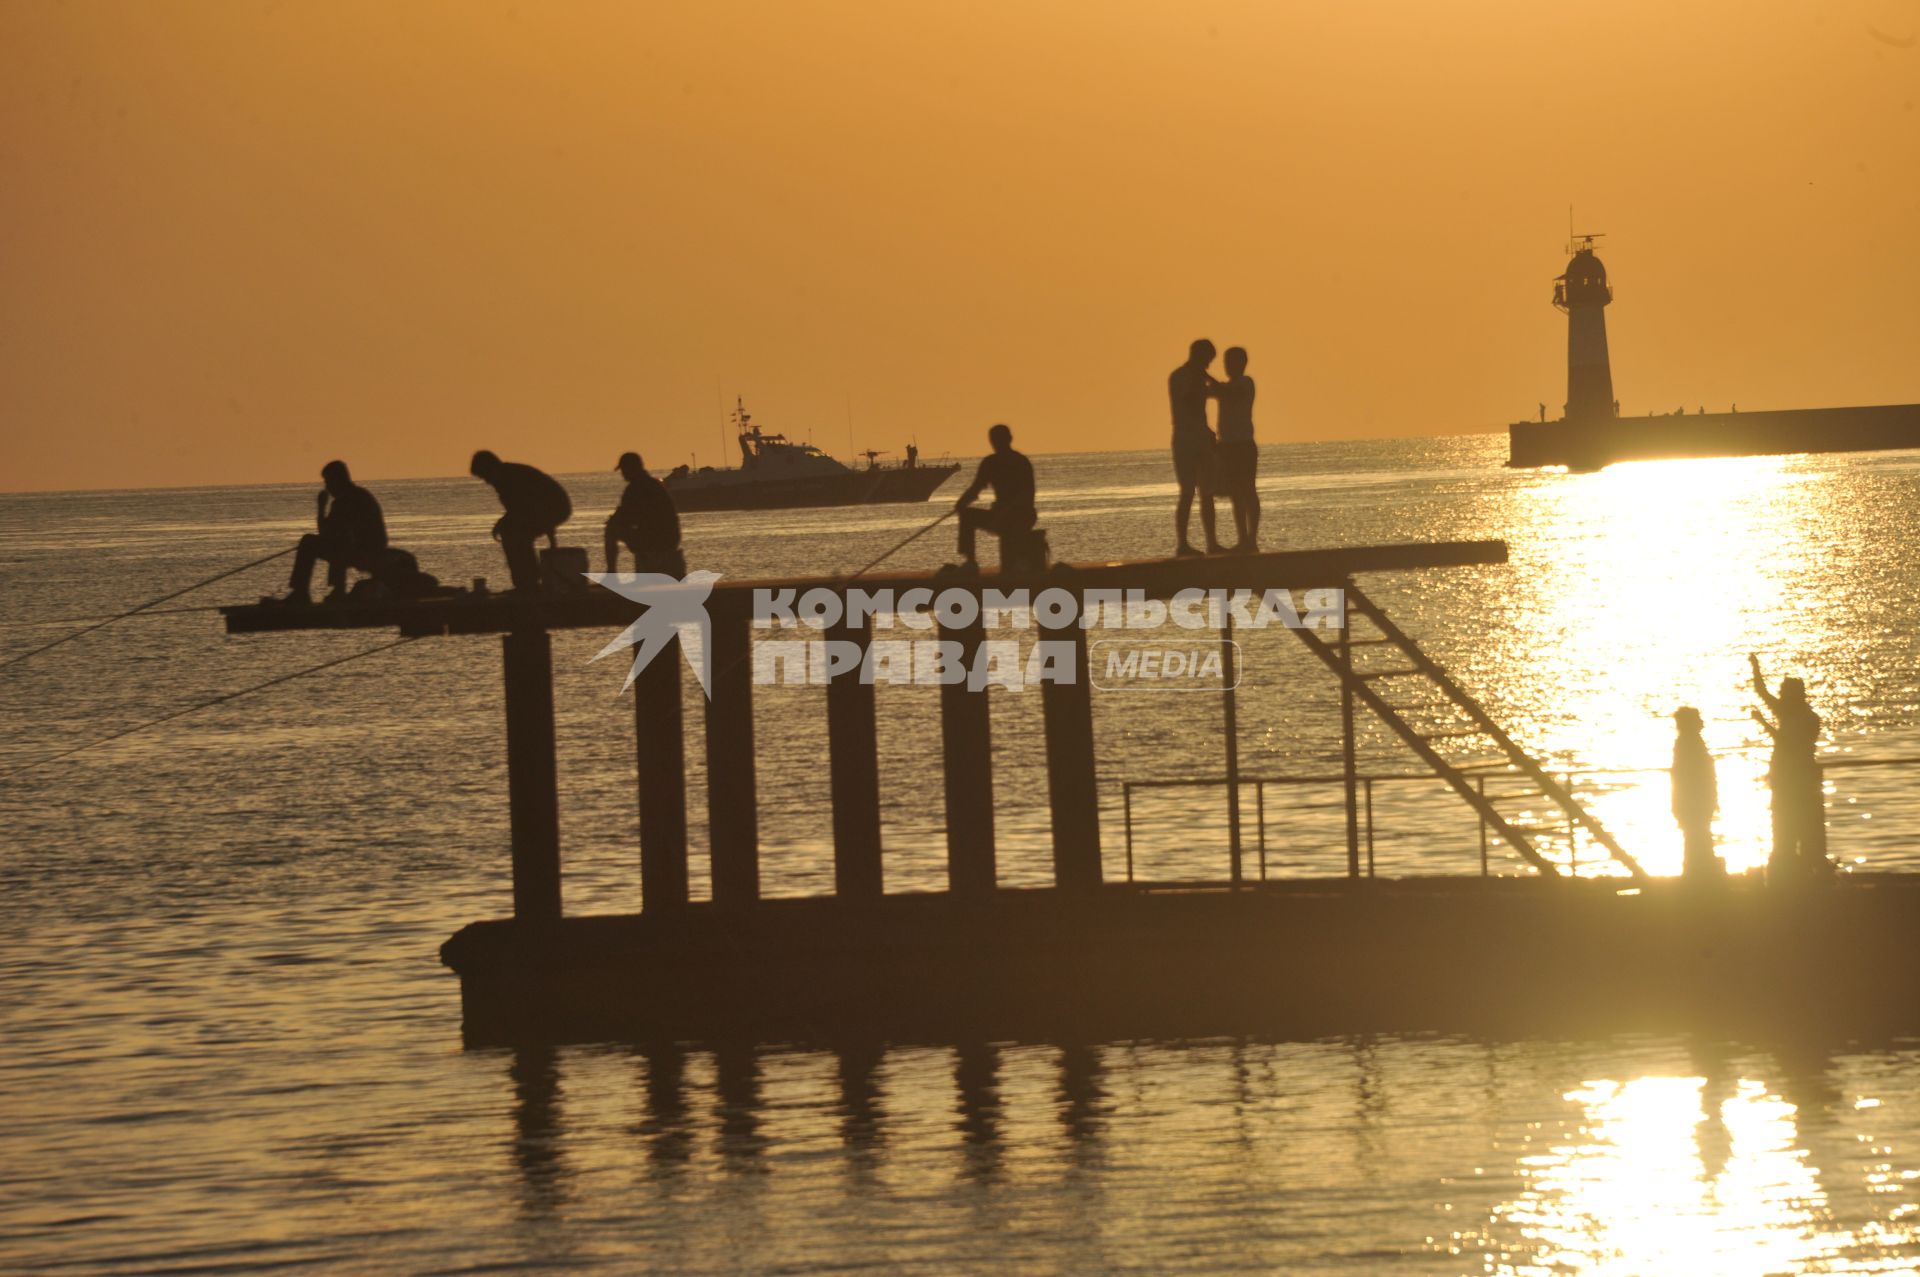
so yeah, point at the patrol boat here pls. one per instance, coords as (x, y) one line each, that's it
(776, 473)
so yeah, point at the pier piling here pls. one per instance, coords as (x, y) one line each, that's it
(967, 751)
(532, 775)
(1072, 786)
(853, 763)
(733, 820)
(659, 732)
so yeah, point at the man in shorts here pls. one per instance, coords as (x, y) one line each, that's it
(1238, 458)
(1193, 444)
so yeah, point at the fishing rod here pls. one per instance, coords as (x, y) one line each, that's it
(121, 616)
(218, 700)
(904, 544)
(141, 615)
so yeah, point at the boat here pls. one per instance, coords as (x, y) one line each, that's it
(777, 473)
(1592, 433)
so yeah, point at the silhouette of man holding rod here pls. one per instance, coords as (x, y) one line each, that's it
(1799, 806)
(645, 522)
(1193, 444)
(536, 505)
(1010, 475)
(352, 534)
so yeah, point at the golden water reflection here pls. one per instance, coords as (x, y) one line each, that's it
(1649, 584)
(1633, 1156)
(1696, 1175)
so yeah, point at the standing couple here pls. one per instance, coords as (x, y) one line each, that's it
(1205, 464)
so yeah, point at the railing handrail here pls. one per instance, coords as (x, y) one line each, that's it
(1483, 773)
(1829, 762)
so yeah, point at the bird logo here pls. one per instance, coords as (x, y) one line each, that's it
(675, 606)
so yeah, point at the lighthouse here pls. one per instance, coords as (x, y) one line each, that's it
(1583, 293)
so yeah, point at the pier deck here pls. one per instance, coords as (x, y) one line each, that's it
(1086, 955)
(1512, 955)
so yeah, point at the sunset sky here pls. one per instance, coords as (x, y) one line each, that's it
(238, 239)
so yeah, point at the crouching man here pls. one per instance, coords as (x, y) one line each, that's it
(534, 505)
(645, 522)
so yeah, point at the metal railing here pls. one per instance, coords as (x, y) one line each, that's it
(1482, 774)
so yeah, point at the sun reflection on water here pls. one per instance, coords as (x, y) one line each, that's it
(1695, 1175)
(1655, 579)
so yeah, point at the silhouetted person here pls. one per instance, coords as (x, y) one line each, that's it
(536, 505)
(1799, 806)
(645, 522)
(1193, 444)
(1010, 475)
(1238, 457)
(353, 534)
(1696, 796)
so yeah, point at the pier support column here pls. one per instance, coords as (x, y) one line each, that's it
(1349, 765)
(660, 745)
(853, 764)
(1072, 788)
(1230, 729)
(733, 819)
(532, 776)
(967, 748)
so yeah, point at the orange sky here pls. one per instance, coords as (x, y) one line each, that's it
(237, 239)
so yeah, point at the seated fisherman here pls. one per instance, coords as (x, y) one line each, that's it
(1010, 475)
(645, 522)
(352, 534)
(536, 505)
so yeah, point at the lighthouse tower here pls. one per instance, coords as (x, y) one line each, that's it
(1583, 293)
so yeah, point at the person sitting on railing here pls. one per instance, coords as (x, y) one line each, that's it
(1799, 805)
(1696, 796)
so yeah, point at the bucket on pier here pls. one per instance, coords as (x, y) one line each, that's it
(563, 569)
(1024, 551)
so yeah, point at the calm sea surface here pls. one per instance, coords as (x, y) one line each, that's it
(226, 1042)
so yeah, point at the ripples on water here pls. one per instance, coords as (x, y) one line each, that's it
(228, 1043)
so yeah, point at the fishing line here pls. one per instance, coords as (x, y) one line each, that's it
(218, 700)
(904, 544)
(121, 616)
(142, 615)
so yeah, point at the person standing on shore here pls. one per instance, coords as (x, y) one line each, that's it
(1238, 456)
(1194, 462)
(1799, 805)
(1696, 796)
